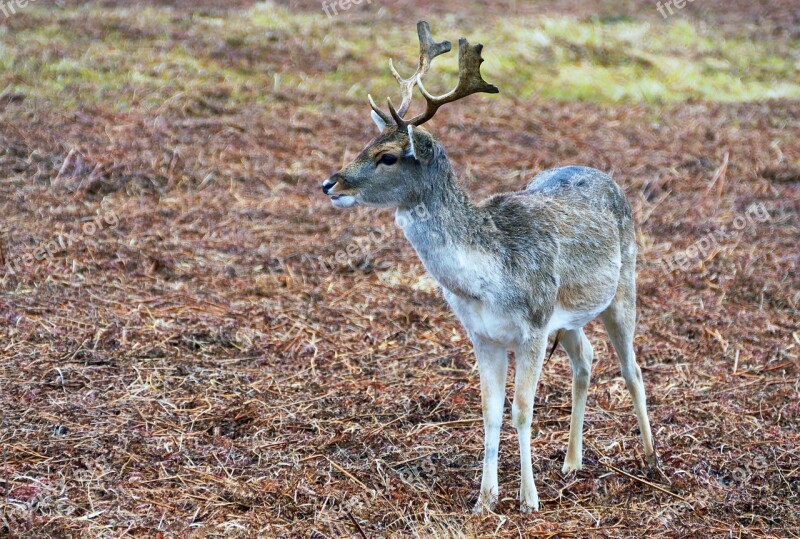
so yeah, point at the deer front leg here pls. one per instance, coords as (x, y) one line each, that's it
(530, 357)
(493, 365)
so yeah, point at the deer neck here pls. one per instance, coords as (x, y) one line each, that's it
(445, 228)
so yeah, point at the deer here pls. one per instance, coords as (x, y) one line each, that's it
(515, 268)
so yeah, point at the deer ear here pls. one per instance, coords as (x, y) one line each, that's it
(378, 120)
(420, 144)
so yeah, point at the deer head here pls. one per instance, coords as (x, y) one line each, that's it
(395, 168)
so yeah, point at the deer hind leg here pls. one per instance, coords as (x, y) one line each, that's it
(493, 365)
(580, 355)
(620, 320)
(528, 369)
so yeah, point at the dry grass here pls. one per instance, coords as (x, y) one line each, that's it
(204, 367)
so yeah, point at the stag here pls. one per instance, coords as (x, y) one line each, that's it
(515, 268)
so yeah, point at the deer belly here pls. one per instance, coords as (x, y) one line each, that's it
(566, 319)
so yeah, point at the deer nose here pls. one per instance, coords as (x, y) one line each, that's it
(328, 184)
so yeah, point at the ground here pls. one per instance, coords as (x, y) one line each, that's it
(196, 344)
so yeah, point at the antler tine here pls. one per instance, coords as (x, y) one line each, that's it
(382, 115)
(428, 50)
(470, 82)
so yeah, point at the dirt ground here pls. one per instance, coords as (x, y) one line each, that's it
(194, 343)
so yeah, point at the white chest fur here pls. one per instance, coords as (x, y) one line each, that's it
(485, 322)
(463, 270)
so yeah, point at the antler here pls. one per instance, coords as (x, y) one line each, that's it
(470, 82)
(428, 50)
(469, 79)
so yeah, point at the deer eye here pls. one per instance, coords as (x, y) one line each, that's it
(387, 159)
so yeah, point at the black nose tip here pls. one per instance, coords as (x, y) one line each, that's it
(328, 184)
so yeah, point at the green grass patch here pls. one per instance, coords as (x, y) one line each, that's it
(123, 59)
